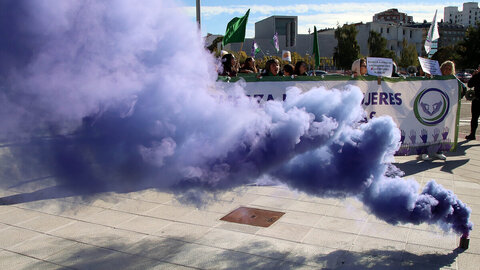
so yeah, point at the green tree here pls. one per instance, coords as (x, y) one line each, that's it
(451, 53)
(470, 51)
(409, 55)
(296, 57)
(347, 49)
(377, 46)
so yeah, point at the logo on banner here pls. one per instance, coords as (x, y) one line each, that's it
(431, 106)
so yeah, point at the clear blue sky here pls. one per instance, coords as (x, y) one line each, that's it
(216, 13)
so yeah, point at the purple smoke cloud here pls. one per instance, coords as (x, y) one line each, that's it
(116, 96)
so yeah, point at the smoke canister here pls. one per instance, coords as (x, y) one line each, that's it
(464, 241)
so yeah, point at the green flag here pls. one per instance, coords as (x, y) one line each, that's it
(236, 29)
(315, 52)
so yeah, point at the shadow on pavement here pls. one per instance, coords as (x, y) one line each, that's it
(167, 252)
(416, 166)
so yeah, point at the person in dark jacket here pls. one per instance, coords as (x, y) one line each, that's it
(475, 83)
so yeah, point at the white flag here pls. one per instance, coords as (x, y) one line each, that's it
(432, 34)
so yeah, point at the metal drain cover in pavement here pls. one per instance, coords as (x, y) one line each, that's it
(253, 216)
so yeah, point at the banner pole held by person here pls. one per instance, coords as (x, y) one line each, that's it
(236, 29)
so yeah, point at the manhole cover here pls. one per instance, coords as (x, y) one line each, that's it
(253, 216)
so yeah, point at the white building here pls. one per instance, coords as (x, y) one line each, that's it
(393, 33)
(467, 17)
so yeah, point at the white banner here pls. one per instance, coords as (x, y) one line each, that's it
(377, 66)
(430, 66)
(424, 110)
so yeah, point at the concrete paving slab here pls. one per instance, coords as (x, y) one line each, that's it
(134, 206)
(155, 247)
(309, 207)
(429, 256)
(340, 224)
(178, 230)
(347, 213)
(268, 247)
(144, 224)
(316, 256)
(205, 218)
(301, 218)
(115, 239)
(42, 246)
(81, 231)
(467, 261)
(225, 239)
(45, 222)
(332, 239)
(377, 246)
(14, 261)
(237, 227)
(169, 212)
(385, 231)
(286, 231)
(110, 218)
(13, 236)
(272, 202)
(431, 239)
(16, 215)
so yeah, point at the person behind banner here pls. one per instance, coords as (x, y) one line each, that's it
(448, 68)
(395, 70)
(359, 67)
(288, 70)
(301, 68)
(248, 66)
(229, 64)
(475, 83)
(420, 72)
(272, 68)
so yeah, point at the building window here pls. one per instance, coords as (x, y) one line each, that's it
(411, 32)
(381, 30)
(388, 30)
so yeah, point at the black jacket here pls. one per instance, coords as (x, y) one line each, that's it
(475, 83)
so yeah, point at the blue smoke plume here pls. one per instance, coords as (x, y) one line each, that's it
(116, 96)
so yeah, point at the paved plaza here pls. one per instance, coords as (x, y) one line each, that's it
(152, 230)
